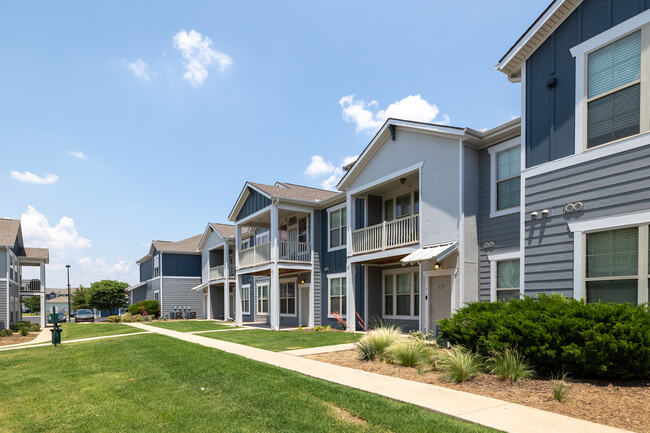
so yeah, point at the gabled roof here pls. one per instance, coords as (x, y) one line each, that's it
(537, 33)
(226, 231)
(9, 230)
(35, 253)
(186, 246)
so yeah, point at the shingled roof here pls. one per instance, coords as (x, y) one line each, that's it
(225, 230)
(296, 192)
(35, 253)
(189, 245)
(8, 232)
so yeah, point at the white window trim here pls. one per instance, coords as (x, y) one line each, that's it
(156, 259)
(395, 272)
(261, 236)
(246, 242)
(257, 298)
(493, 151)
(581, 52)
(393, 197)
(331, 277)
(334, 209)
(580, 228)
(156, 292)
(496, 258)
(295, 305)
(246, 288)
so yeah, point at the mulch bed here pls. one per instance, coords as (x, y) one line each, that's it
(16, 338)
(622, 404)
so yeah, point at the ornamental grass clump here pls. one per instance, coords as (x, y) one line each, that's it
(366, 349)
(409, 352)
(376, 342)
(509, 364)
(458, 364)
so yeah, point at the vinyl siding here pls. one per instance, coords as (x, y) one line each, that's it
(331, 263)
(3, 262)
(146, 270)
(320, 247)
(176, 293)
(139, 294)
(615, 185)
(3, 305)
(253, 203)
(502, 230)
(181, 265)
(550, 115)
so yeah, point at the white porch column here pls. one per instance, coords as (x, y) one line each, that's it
(351, 316)
(226, 300)
(350, 222)
(43, 312)
(238, 313)
(226, 260)
(208, 307)
(274, 300)
(311, 278)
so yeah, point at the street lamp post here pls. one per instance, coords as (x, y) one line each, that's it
(69, 294)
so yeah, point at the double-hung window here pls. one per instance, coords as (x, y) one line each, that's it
(262, 238)
(288, 298)
(263, 299)
(246, 243)
(337, 294)
(505, 172)
(507, 280)
(614, 91)
(246, 299)
(156, 266)
(338, 222)
(401, 294)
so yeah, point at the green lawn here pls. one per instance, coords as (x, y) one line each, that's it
(152, 382)
(190, 326)
(74, 331)
(284, 340)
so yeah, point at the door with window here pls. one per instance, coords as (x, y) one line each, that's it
(439, 299)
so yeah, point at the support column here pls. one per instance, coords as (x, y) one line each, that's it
(208, 307)
(351, 316)
(42, 279)
(238, 313)
(274, 298)
(226, 300)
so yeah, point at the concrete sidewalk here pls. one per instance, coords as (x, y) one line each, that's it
(490, 412)
(320, 349)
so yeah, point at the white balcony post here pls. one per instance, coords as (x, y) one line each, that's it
(350, 216)
(383, 235)
(226, 259)
(208, 299)
(273, 232)
(237, 245)
(351, 316)
(274, 295)
(42, 289)
(238, 312)
(226, 300)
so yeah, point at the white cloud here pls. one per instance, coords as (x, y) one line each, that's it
(319, 167)
(140, 69)
(29, 177)
(368, 118)
(78, 154)
(198, 54)
(67, 246)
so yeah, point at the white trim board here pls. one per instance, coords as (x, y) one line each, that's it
(494, 151)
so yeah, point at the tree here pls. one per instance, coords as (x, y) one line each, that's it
(107, 295)
(33, 303)
(80, 298)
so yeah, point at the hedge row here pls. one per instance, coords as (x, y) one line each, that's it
(558, 334)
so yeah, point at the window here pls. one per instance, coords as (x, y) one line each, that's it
(611, 272)
(262, 238)
(337, 227)
(402, 205)
(614, 91)
(246, 243)
(401, 294)
(288, 298)
(263, 299)
(156, 295)
(337, 294)
(508, 178)
(303, 231)
(507, 280)
(246, 299)
(156, 266)
(388, 210)
(416, 202)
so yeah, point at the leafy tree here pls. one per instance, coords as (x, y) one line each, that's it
(80, 298)
(33, 303)
(107, 295)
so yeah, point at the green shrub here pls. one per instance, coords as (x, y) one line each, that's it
(6, 332)
(148, 307)
(458, 364)
(35, 327)
(113, 319)
(17, 325)
(366, 349)
(126, 318)
(409, 352)
(509, 364)
(24, 330)
(556, 335)
(137, 318)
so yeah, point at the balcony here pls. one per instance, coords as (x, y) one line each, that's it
(389, 234)
(218, 272)
(30, 286)
(295, 251)
(254, 256)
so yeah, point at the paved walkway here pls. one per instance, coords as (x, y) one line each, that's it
(49, 343)
(321, 349)
(490, 412)
(219, 330)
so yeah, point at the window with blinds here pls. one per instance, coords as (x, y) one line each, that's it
(508, 167)
(614, 91)
(507, 280)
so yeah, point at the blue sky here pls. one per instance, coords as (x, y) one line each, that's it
(123, 122)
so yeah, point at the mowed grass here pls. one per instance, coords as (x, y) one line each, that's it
(285, 340)
(190, 325)
(156, 383)
(74, 331)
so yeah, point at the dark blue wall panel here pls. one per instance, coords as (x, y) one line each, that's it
(253, 203)
(550, 111)
(359, 213)
(146, 270)
(181, 265)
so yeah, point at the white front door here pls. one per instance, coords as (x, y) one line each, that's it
(304, 305)
(439, 299)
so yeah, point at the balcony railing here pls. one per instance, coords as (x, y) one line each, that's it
(256, 255)
(30, 286)
(218, 272)
(389, 234)
(295, 251)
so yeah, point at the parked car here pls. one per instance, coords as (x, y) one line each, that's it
(62, 318)
(84, 315)
(26, 310)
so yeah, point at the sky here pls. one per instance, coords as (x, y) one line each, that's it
(123, 122)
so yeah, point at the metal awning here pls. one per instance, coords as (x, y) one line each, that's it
(437, 252)
(135, 286)
(199, 287)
